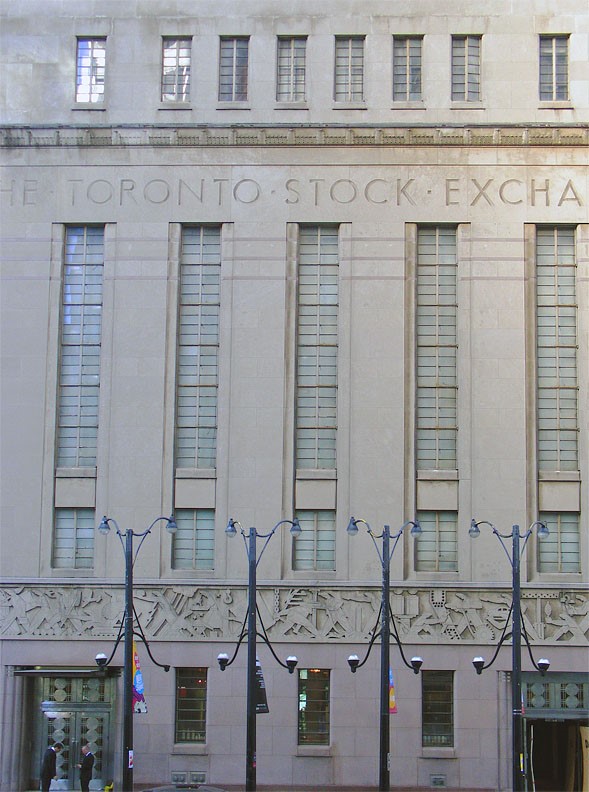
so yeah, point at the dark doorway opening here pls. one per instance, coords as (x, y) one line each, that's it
(555, 762)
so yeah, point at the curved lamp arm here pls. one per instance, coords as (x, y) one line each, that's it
(479, 662)
(416, 662)
(353, 660)
(543, 663)
(352, 529)
(231, 530)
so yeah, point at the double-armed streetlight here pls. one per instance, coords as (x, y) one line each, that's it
(517, 628)
(249, 629)
(385, 619)
(127, 631)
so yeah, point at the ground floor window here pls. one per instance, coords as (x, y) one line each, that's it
(191, 705)
(313, 724)
(437, 708)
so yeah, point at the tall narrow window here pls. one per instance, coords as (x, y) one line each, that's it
(90, 69)
(556, 349)
(437, 708)
(560, 550)
(316, 398)
(436, 548)
(198, 347)
(73, 539)
(290, 82)
(466, 68)
(313, 727)
(349, 68)
(193, 545)
(436, 349)
(176, 57)
(314, 549)
(81, 326)
(554, 68)
(191, 705)
(233, 69)
(407, 68)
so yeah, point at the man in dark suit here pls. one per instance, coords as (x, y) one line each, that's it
(86, 768)
(49, 765)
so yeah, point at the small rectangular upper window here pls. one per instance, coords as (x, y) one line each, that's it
(233, 69)
(466, 68)
(290, 82)
(349, 69)
(554, 68)
(176, 54)
(407, 68)
(90, 70)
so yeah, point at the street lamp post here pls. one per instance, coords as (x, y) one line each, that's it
(128, 535)
(385, 636)
(249, 629)
(518, 770)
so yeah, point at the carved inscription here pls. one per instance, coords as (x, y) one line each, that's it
(390, 191)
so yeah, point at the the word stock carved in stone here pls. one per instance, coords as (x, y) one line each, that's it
(291, 613)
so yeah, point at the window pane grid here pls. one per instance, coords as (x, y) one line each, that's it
(313, 720)
(193, 544)
(198, 347)
(191, 705)
(436, 353)
(554, 78)
(73, 539)
(80, 339)
(436, 550)
(466, 68)
(407, 68)
(560, 550)
(291, 69)
(556, 349)
(317, 315)
(349, 68)
(176, 63)
(90, 70)
(233, 69)
(315, 547)
(437, 708)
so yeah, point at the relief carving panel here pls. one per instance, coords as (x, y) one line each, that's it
(292, 613)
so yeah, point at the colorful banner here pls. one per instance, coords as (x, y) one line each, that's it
(392, 699)
(139, 703)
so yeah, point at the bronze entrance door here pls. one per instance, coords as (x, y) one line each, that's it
(74, 712)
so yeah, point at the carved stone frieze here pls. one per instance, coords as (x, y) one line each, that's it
(183, 612)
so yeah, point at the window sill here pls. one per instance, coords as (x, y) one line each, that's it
(291, 106)
(400, 105)
(192, 749)
(315, 474)
(319, 751)
(349, 106)
(437, 475)
(233, 106)
(467, 106)
(175, 106)
(70, 572)
(559, 475)
(89, 106)
(556, 105)
(79, 472)
(438, 753)
(196, 473)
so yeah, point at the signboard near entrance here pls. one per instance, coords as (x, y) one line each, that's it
(260, 688)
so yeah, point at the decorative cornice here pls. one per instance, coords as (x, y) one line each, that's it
(292, 613)
(61, 136)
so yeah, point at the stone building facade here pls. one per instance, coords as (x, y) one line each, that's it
(261, 263)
